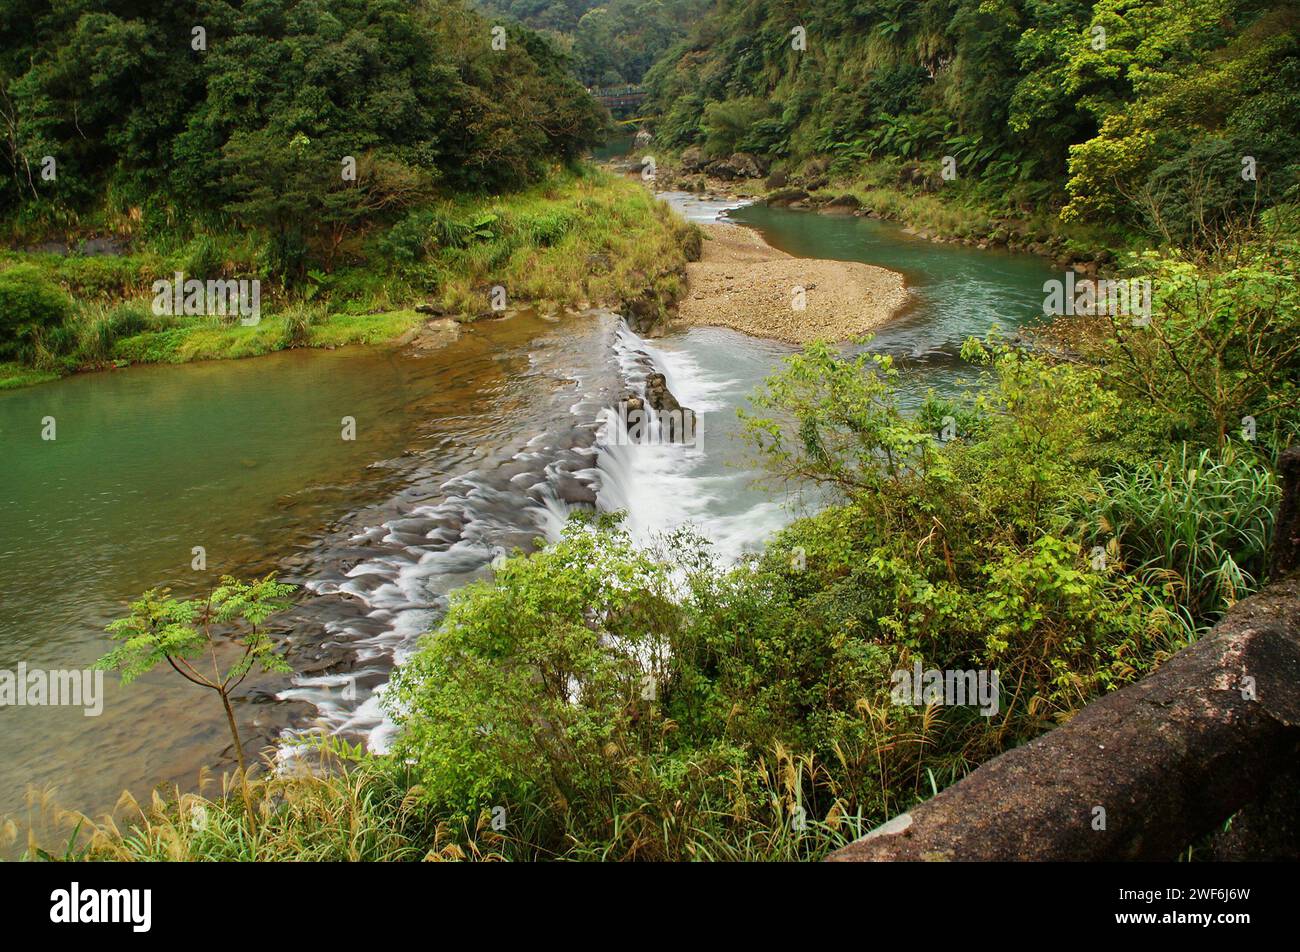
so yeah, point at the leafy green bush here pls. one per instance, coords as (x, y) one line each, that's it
(131, 317)
(412, 238)
(30, 306)
(599, 707)
(533, 686)
(298, 321)
(836, 422)
(109, 276)
(1222, 349)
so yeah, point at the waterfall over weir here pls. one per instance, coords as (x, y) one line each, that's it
(378, 586)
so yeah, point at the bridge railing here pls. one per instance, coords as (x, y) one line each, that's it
(611, 96)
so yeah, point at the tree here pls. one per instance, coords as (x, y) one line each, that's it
(836, 422)
(162, 628)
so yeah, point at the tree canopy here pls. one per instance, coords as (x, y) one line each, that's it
(1086, 101)
(215, 103)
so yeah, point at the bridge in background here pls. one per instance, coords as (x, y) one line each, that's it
(619, 98)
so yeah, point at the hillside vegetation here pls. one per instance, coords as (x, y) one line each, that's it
(1079, 513)
(254, 125)
(1138, 113)
(609, 42)
(355, 158)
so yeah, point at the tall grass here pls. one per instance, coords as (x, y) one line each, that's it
(579, 238)
(346, 805)
(1196, 527)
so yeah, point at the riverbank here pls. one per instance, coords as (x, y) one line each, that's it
(275, 472)
(579, 239)
(743, 283)
(914, 194)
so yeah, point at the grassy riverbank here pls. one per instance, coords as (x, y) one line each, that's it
(914, 194)
(579, 238)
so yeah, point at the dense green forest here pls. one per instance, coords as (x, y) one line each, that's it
(610, 42)
(249, 110)
(1124, 110)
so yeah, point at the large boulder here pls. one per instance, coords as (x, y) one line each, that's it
(1140, 773)
(816, 168)
(842, 205)
(915, 175)
(658, 395)
(677, 423)
(740, 165)
(752, 166)
(693, 160)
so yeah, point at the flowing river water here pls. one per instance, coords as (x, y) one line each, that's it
(460, 454)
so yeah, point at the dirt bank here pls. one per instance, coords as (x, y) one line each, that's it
(744, 283)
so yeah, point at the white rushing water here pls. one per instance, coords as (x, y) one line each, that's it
(664, 485)
(701, 208)
(522, 494)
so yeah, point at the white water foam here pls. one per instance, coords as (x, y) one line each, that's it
(664, 486)
(699, 208)
(429, 550)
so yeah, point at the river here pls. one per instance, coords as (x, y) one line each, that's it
(460, 454)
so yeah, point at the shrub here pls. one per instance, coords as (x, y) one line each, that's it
(131, 317)
(1222, 348)
(30, 305)
(412, 238)
(298, 321)
(108, 276)
(203, 259)
(533, 687)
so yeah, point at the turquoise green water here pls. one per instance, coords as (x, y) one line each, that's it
(241, 458)
(954, 291)
(244, 458)
(151, 462)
